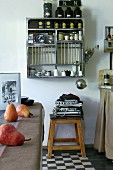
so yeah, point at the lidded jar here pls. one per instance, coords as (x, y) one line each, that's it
(77, 12)
(59, 13)
(68, 12)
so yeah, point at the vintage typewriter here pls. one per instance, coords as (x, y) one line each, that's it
(68, 105)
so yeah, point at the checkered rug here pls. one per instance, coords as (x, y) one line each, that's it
(66, 161)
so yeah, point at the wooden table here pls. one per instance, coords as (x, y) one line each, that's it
(28, 155)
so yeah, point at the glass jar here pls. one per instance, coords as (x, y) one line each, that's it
(77, 12)
(75, 36)
(47, 10)
(60, 36)
(71, 37)
(59, 13)
(68, 13)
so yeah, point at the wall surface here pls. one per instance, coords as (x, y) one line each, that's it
(13, 15)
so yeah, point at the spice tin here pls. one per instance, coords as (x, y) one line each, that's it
(56, 25)
(48, 24)
(64, 25)
(40, 24)
(71, 24)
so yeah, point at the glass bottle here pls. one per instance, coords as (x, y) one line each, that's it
(109, 37)
(106, 79)
(60, 36)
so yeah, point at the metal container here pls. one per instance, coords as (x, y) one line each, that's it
(81, 84)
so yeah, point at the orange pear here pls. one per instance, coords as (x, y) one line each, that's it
(11, 114)
(23, 111)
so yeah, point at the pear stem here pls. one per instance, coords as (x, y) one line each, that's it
(8, 102)
(27, 139)
(31, 115)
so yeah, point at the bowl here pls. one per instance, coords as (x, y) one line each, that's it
(29, 102)
(23, 99)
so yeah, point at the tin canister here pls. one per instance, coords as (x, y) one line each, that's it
(79, 25)
(71, 24)
(64, 25)
(48, 24)
(56, 25)
(40, 24)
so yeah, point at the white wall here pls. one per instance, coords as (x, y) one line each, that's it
(97, 15)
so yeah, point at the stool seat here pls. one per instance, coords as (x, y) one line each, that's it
(78, 130)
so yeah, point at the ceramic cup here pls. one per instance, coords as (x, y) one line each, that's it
(63, 73)
(72, 73)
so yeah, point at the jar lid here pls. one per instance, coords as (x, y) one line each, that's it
(59, 8)
(68, 8)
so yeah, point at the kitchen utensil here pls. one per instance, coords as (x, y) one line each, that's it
(81, 84)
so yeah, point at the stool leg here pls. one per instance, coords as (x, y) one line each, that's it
(81, 140)
(76, 131)
(50, 138)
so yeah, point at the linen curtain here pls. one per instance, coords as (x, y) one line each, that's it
(103, 140)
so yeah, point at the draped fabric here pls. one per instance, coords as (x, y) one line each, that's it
(103, 140)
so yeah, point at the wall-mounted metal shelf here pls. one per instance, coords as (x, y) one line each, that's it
(48, 47)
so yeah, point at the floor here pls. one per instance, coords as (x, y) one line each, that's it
(98, 160)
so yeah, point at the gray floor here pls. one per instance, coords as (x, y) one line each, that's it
(98, 160)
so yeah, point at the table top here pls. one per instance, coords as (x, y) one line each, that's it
(28, 155)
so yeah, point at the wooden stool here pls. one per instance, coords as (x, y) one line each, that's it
(79, 137)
